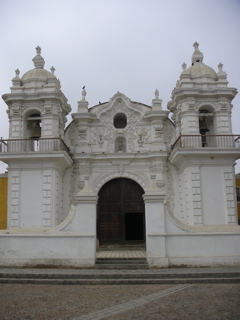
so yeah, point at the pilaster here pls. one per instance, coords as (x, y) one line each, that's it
(86, 220)
(155, 228)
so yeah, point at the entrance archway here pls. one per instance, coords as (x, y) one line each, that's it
(121, 213)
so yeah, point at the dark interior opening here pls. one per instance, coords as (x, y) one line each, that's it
(120, 121)
(134, 226)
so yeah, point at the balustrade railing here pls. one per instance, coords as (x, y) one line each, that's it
(207, 141)
(33, 145)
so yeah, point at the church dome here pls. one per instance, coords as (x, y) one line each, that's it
(39, 73)
(198, 68)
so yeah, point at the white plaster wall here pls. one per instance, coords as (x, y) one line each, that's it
(31, 250)
(155, 228)
(198, 249)
(204, 249)
(213, 196)
(154, 213)
(31, 206)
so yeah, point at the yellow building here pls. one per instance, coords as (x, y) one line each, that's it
(238, 195)
(3, 200)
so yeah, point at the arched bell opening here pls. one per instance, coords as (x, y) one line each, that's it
(121, 213)
(206, 125)
(34, 128)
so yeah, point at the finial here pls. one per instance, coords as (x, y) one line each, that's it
(52, 70)
(17, 73)
(84, 93)
(222, 75)
(195, 45)
(220, 66)
(38, 50)
(197, 55)
(38, 59)
(184, 66)
(16, 81)
(156, 102)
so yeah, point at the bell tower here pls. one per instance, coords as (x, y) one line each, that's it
(205, 151)
(37, 106)
(201, 100)
(35, 152)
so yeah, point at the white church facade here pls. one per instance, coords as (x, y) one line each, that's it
(121, 172)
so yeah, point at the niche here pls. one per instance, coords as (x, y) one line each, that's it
(120, 144)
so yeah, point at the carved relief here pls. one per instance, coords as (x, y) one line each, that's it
(143, 136)
(73, 181)
(48, 108)
(80, 170)
(59, 195)
(15, 109)
(82, 133)
(170, 189)
(72, 135)
(135, 136)
(168, 132)
(98, 136)
(158, 131)
(105, 118)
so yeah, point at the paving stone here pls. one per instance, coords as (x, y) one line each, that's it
(120, 302)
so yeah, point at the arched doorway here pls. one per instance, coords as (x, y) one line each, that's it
(121, 213)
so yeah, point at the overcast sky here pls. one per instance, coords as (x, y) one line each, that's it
(131, 46)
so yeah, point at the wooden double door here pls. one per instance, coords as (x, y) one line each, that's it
(121, 213)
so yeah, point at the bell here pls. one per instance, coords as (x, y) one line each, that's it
(36, 133)
(203, 126)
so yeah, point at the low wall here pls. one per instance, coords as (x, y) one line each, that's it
(47, 250)
(181, 250)
(197, 250)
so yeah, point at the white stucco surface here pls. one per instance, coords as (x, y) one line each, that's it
(182, 158)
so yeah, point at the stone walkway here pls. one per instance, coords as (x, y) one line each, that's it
(207, 301)
(120, 302)
(107, 312)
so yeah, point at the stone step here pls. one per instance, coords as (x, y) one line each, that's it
(119, 281)
(122, 248)
(122, 266)
(121, 261)
(118, 263)
(120, 275)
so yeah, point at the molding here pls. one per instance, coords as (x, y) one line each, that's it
(154, 197)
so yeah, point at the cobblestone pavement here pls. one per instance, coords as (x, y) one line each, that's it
(120, 302)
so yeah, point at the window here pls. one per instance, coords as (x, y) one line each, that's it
(120, 121)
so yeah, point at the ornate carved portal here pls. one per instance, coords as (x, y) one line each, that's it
(121, 213)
